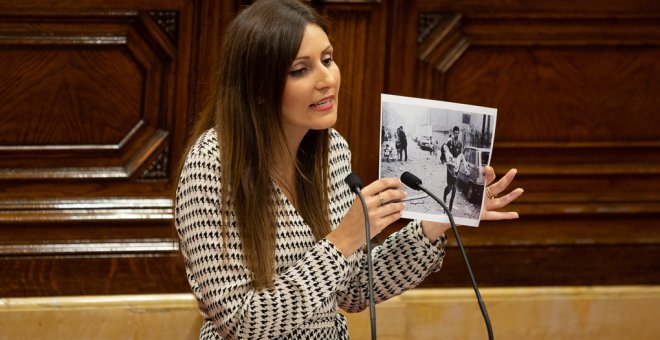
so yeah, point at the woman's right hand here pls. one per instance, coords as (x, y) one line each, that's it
(383, 198)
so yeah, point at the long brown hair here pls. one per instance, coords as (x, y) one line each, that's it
(245, 108)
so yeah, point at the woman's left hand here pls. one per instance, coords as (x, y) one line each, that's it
(493, 201)
(433, 230)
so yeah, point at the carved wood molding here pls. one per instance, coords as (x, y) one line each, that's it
(168, 21)
(93, 97)
(90, 210)
(90, 247)
(443, 37)
(441, 43)
(159, 168)
(593, 177)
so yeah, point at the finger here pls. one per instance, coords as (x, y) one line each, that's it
(392, 195)
(381, 185)
(389, 209)
(374, 202)
(489, 172)
(503, 201)
(384, 213)
(499, 215)
(381, 223)
(499, 186)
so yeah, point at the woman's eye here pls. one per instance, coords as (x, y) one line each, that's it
(327, 61)
(297, 73)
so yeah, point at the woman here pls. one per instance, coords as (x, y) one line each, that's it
(269, 231)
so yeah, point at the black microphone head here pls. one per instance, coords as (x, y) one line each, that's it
(411, 180)
(353, 181)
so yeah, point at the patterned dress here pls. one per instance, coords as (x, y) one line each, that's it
(312, 279)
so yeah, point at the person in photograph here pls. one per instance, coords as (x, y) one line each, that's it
(452, 155)
(402, 144)
(431, 147)
(388, 152)
(271, 235)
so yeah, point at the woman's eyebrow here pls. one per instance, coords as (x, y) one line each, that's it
(308, 57)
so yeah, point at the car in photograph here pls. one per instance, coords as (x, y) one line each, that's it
(425, 143)
(471, 177)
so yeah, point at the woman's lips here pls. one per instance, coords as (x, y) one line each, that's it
(324, 104)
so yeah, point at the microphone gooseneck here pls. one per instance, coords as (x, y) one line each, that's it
(415, 183)
(354, 182)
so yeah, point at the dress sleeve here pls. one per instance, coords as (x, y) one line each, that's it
(219, 278)
(402, 262)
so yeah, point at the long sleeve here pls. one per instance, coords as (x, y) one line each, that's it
(309, 273)
(403, 261)
(400, 263)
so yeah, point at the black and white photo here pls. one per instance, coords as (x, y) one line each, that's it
(445, 144)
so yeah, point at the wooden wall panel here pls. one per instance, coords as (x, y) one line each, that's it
(62, 121)
(577, 97)
(95, 100)
(358, 32)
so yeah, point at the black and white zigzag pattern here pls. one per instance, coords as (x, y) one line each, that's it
(312, 278)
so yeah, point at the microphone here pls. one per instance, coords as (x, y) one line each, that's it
(354, 182)
(411, 180)
(415, 183)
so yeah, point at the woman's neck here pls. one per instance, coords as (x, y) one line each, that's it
(284, 169)
(285, 177)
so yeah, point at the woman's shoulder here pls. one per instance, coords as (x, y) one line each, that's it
(340, 153)
(337, 141)
(206, 145)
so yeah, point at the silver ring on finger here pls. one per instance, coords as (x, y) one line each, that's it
(382, 201)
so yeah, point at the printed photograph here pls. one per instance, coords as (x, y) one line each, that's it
(447, 145)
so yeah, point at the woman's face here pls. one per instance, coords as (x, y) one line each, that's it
(312, 86)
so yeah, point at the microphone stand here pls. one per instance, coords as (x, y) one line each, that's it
(482, 306)
(355, 184)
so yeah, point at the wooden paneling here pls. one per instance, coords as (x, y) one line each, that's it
(577, 97)
(95, 103)
(59, 120)
(91, 274)
(358, 32)
(96, 99)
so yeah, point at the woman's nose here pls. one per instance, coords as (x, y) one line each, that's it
(326, 78)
